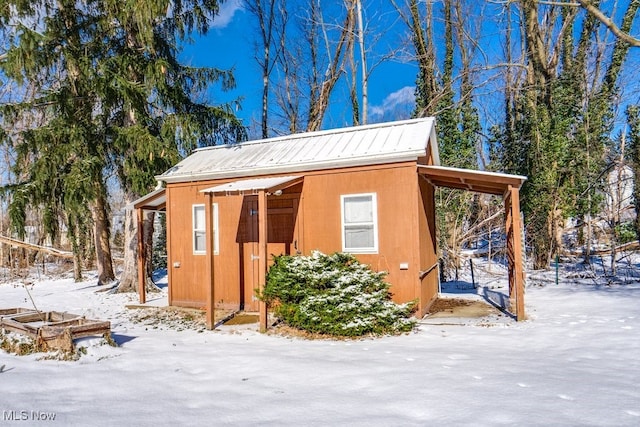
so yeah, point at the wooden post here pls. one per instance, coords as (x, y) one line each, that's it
(262, 253)
(513, 226)
(518, 253)
(142, 267)
(210, 282)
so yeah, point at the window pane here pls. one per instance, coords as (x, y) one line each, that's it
(358, 236)
(198, 218)
(358, 209)
(199, 241)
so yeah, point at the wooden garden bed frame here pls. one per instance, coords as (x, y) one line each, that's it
(52, 329)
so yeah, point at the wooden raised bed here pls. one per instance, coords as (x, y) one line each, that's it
(52, 329)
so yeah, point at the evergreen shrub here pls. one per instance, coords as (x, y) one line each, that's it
(334, 295)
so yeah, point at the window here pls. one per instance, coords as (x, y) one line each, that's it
(200, 230)
(359, 223)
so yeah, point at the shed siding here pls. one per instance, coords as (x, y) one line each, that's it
(428, 286)
(187, 270)
(395, 188)
(316, 225)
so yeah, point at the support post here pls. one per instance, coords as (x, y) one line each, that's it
(513, 226)
(211, 301)
(262, 253)
(142, 267)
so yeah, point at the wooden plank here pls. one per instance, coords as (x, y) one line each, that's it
(262, 253)
(19, 327)
(39, 248)
(13, 311)
(84, 328)
(209, 281)
(516, 239)
(52, 329)
(142, 294)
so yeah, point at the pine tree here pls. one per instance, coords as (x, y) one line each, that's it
(113, 97)
(59, 163)
(149, 111)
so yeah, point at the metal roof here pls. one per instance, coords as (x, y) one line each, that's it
(156, 201)
(471, 180)
(252, 185)
(355, 146)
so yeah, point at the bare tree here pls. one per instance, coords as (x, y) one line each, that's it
(271, 17)
(323, 83)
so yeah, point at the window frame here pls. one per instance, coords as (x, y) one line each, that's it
(373, 223)
(194, 230)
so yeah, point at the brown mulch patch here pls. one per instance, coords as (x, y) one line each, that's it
(444, 304)
(458, 307)
(243, 319)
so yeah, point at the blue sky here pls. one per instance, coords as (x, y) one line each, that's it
(229, 44)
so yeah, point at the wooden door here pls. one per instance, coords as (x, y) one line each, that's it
(248, 247)
(281, 219)
(281, 222)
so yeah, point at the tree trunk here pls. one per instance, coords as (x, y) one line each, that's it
(102, 244)
(319, 106)
(129, 276)
(363, 63)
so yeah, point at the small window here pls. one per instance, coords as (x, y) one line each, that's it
(359, 223)
(200, 230)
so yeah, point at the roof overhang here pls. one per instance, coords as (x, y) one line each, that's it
(253, 186)
(471, 180)
(154, 201)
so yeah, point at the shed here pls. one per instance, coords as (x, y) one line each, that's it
(367, 190)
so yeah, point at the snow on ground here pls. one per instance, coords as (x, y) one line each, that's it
(574, 362)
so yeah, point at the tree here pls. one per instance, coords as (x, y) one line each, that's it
(562, 118)
(444, 88)
(149, 111)
(63, 160)
(323, 83)
(272, 18)
(114, 97)
(309, 55)
(633, 120)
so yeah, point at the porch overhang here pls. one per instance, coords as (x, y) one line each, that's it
(254, 185)
(154, 201)
(500, 184)
(471, 180)
(261, 187)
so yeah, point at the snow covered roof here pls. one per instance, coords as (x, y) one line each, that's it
(355, 146)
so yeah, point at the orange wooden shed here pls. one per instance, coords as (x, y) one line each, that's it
(367, 190)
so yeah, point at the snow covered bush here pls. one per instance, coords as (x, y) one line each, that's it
(334, 295)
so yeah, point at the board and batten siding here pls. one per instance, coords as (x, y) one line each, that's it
(315, 224)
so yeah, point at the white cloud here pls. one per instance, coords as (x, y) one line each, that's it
(396, 105)
(227, 11)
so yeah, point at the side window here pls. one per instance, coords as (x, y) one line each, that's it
(200, 230)
(359, 223)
